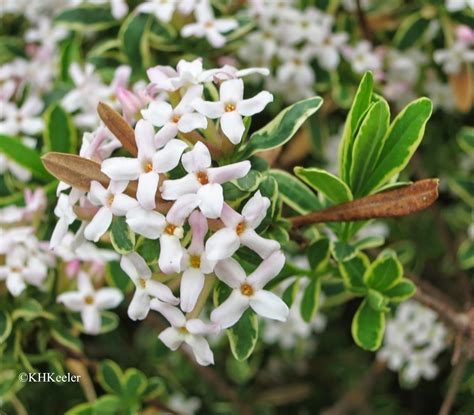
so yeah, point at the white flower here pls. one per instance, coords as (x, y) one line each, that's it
(328, 51)
(112, 202)
(183, 405)
(89, 302)
(231, 107)
(231, 72)
(164, 9)
(203, 180)
(66, 215)
(153, 225)
(240, 229)
(249, 292)
(181, 118)
(457, 5)
(453, 58)
(208, 26)
(295, 65)
(145, 288)
(45, 32)
(195, 263)
(148, 165)
(362, 57)
(25, 119)
(190, 332)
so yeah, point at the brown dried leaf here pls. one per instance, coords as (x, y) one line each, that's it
(393, 203)
(119, 127)
(462, 86)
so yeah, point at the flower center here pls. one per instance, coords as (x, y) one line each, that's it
(170, 228)
(240, 228)
(202, 177)
(110, 199)
(88, 299)
(246, 289)
(175, 118)
(148, 167)
(195, 261)
(209, 24)
(229, 107)
(15, 269)
(183, 330)
(142, 282)
(297, 61)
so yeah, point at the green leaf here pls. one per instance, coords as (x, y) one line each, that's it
(134, 382)
(5, 326)
(107, 404)
(403, 138)
(280, 130)
(310, 300)
(400, 292)
(326, 183)
(359, 107)
(463, 187)
(384, 272)
(318, 255)
(376, 300)
(81, 409)
(369, 242)
(134, 40)
(368, 144)
(65, 338)
(149, 250)
(368, 326)
(109, 376)
(15, 150)
(466, 254)
(342, 251)
(109, 321)
(30, 310)
(116, 277)
(465, 140)
(291, 292)
(411, 31)
(59, 132)
(86, 17)
(294, 193)
(249, 182)
(155, 387)
(352, 273)
(121, 236)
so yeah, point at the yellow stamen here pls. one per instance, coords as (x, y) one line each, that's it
(142, 282)
(229, 107)
(240, 228)
(88, 299)
(170, 228)
(202, 177)
(246, 289)
(195, 261)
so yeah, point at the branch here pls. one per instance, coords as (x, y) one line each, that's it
(363, 21)
(454, 386)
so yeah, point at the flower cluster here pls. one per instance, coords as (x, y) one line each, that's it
(413, 340)
(165, 203)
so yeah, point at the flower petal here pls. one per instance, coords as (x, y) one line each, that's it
(121, 168)
(230, 172)
(172, 314)
(232, 126)
(139, 306)
(106, 298)
(91, 319)
(201, 350)
(197, 326)
(123, 204)
(171, 338)
(262, 246)
(192, 282)
(211, 198)
(146, 190)
(171, 254)
(209, 109)
(73, 300)
(199, 158)
(199, 229)
(267, 270)
(168, 158)
(173, 189)
(230, 311)
(189, 122)
(148, 223)
(182, 208)
(166, 133)
(144, 137)
(99, 224)
(254, 105)
(222, 244)
(97, 195)
(269, 305)
(135, 267)
(158, 113)
(231, 272)
(161, 291)
(255, 209)
(231, 91)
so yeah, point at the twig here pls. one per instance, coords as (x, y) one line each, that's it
(454, 386)
(363, 21)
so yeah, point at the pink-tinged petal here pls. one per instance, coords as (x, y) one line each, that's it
(59, 232)
(255, 209)
(168, 158)
(209, 109)
(184, 106)
(192, 282)
(173, 189)
(84, 284)
(160, 76)
(230, 217)
(91, 319)
(172, 314)
(232, 126)
(189, 122)
(230, 172)
(199, 228)
(144, 137)
(182, 208)
(230, 311)
(99, 224)
(262, 246)
(211, 198)
(135, 267)
(249, 71)
(254, 105)
(201, 350)
(222, 244)
(106, 298)
(230, 272)
(139, 306)
(267, 270)
(121, 168)
(166, 133)
(148, 223)
(161, 291)
(73, 300)
(158, 113)
(97, 194)
(269, 305)
(231, 91)
(207, 266)
(197, 326)
(197, 159)
(123, 204)
(171, 338)
(146, 190)
(171, 254)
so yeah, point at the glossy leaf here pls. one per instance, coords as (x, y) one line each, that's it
(86, 17)
(122, 238)
(368, 327)
(402, 291)
(385, 272)
(352, 273)
(59, 133)
(310, 300)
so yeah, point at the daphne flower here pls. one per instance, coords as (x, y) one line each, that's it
(146, 288)
(24, 119)
(181, 118)
(453, 58)
(195, 263)
(231, 107)
(66, 216)
(240, 229)
(147, 166)
(363, 58)
(208, 26)
(203, 180)
(231, 72)
(248, 291)
(296, 66)
(162, 9)
(457, 5)
(112, 202)
(89, 302)
(190, 332)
